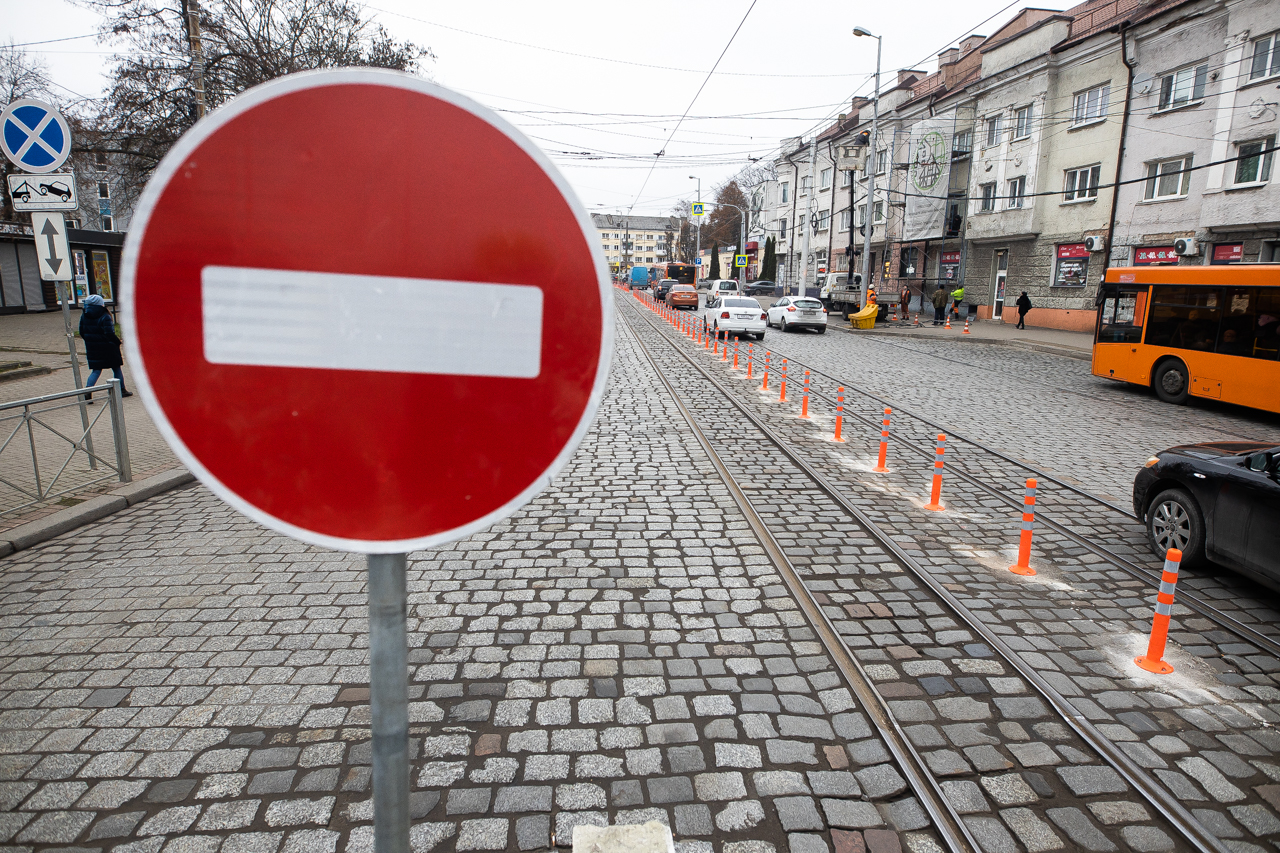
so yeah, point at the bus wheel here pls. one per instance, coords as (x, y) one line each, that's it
(1171, 382)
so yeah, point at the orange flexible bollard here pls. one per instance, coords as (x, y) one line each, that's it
(765, 386)
(839, 412)
(1023, 566)
(804, 397)
(884, 443)
(1153, 660)
(749, 348)
(736, 342)
(783, 398)
(935, 497)
(724, 356)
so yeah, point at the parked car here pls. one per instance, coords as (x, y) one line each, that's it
(1216, 502)
(683, 296)
(736, 315)
(723, 287)
(760, 288)
(798, 312)
(662, 287)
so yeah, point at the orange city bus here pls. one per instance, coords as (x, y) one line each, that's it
(1199, 331)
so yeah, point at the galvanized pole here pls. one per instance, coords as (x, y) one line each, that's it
(805, 225)
(64, 295)
(742, 249)
(389, 701)
(197, 56)
(118, 431)
(871, 186)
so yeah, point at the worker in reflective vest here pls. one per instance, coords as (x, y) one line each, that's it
(957, 296)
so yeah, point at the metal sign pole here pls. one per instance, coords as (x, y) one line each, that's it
(64, 294)
(389, 701)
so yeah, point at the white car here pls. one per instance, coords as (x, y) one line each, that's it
(723, 287)
(798, 312)
(736, 315)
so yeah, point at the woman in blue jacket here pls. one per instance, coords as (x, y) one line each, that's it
(101, 346)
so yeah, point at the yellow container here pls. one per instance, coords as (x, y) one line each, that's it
(866, 318)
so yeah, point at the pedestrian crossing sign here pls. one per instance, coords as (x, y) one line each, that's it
(739, 260)
(698, 209)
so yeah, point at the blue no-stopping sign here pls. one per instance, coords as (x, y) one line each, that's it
(34, 136)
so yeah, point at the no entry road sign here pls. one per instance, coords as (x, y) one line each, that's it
(374, 371)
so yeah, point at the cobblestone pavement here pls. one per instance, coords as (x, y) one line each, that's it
(40, 339)
(176, 678)
(1077, 623)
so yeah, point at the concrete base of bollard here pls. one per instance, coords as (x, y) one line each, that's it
(651, 837)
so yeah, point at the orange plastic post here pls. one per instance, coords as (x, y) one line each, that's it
(884, 444)
(804, 397)
(783, 398)
(724, 351)
(765, 386)
(736, 342)
(1153, 660)
(749, 348)
(839, 413)
(1023, 566)
(935, 497)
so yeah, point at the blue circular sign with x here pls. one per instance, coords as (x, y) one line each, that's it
(34, 136)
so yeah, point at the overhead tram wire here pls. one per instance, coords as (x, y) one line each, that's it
(705, 80)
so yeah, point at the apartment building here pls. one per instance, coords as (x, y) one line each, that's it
(629, 241)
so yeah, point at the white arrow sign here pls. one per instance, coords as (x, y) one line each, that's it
(51, 246)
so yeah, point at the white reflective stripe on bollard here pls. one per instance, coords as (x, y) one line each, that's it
(337, 321)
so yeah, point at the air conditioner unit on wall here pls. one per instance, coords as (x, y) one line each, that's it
(1186, 246)
(1095, 244)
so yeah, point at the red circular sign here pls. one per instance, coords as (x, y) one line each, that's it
(365, 310)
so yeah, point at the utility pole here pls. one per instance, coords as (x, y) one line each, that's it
(197, 55)
(871, 175)
(807, 227)
(697, 238)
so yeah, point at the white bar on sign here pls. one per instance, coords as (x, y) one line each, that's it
(337, 321)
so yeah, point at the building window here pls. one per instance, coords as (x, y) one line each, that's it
(107, 224)
(1022, 122)
(73, 223)
(1266, 57)
(1254, 165)
(786, 191)
(100, 161)
(782, 228)
(962, 142)
(806, 184)
(988, 198)
(907, 260)
(862, 215)
(824, 220)
(846, 178)
(104, 191)
(882, 160)
(1082, 183)
(824, 179)
(1091, 106)
(844, 220)
(1168, 178)
(1182, 87)
(1017, 191)
(993, 131)
(877, 211)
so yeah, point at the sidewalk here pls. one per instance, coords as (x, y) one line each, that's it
(1070, 344)
(41, 339)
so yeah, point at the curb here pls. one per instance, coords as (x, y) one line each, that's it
(32, 533)
(1046, 348)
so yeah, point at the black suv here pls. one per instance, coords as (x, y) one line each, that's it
(1218, 501)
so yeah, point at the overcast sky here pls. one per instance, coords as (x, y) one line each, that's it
(608, 82)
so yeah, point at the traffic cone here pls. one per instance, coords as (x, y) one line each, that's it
(917, 319)
(966, 325)
(948, 326)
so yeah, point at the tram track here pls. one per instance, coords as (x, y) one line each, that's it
(1193, 599)
(924, 783)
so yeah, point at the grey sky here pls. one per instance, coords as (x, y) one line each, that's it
(612, 79)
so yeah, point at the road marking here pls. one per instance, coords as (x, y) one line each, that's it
(338, 321)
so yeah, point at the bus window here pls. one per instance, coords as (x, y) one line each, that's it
(1239, 320)
(1120, 318)
(1184, 317)
(1266, 328)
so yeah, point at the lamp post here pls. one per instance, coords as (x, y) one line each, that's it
(697, 239)
(871, 174)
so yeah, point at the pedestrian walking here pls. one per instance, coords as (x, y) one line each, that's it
(939, 301)
(101, 345)
(957, 296)
(1024, 305)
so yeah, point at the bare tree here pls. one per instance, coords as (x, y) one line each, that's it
(21, 76)
(723, 222)
(151, 100)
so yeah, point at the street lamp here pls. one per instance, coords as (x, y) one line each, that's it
(697, 239)
(871, 175)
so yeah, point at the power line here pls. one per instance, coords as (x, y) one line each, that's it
(50, 41)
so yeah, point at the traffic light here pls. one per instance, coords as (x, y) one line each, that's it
(857, 279)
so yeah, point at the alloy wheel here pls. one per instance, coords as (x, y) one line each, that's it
(1171, 526)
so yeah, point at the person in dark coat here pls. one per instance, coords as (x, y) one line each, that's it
(101, 346)
(1024, 305)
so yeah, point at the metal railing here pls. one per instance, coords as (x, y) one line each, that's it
(45, 438)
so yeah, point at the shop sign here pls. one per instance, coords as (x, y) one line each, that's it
(1228, 253)
(1073, 250)
(1156, 255)
(1073, 265)
(949, 265)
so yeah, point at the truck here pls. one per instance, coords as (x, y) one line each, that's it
(837, 295)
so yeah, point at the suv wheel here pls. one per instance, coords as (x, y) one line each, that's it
(1174, 521)
(1172, 382)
